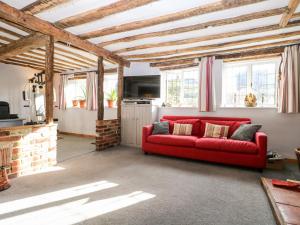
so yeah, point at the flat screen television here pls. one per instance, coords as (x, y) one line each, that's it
(141, 87)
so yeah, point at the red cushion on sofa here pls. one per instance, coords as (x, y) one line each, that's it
(227, 145)
(178, 140)
(194, 122)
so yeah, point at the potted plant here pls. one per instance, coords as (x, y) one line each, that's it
(82, 101)
(111, 98)
(75, 102)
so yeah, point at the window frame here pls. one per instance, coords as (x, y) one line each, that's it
(249, 64)
(164, 86)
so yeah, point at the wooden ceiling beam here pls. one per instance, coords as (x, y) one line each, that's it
(9, 13)
(77, 61)
(28, 31)
(241, 50)
(22, 45)
(209, 37)
(42, 62)
(190, 65)
(10, 32)
(21, 64)
(58, 61)
(215, 23)
(172, 63)
(42, 5)
(214, 46)
(42, 55)
(200, 10)
(79, 56)
(293, 4)
(99, 13)
(25, 62)
(7, 39)
(267, 51)
(256, 57)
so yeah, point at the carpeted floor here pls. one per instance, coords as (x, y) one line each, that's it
(122, 186)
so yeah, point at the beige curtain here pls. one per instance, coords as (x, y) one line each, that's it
(62, 104)
(91, 91)
(289, 82)
(207, 98)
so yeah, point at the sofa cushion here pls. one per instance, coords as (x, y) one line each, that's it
(216, 131)
(227, 145)
(182, 129)
(188, 141)
(246, 132)
(194, 122)
(233, 125)
(160, 127)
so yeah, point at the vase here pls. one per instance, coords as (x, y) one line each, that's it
(110, 103)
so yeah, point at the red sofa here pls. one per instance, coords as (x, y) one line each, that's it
(226, 151)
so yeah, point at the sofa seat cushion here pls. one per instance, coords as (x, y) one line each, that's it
(227, 145)
(177, 140)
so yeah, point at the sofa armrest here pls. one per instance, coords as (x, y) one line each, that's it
(261, 141)
(147, 131)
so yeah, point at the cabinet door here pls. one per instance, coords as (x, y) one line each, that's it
(128, 125)
(143, 117)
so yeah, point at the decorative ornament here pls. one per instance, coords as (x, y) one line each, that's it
(250, 100)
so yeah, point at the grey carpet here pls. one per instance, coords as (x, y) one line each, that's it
(70, 146)
(181, 192)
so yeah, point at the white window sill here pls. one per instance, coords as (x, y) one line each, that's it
(244, 107)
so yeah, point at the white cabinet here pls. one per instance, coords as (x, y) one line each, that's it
(134, 117)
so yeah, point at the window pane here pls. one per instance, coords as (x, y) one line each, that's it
(190, 88)
(173, 88)
(241, 79)
(235, 85)
(263, 83)
(76, 90)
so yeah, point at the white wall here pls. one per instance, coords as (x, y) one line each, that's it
(12, 82)
(283, 129)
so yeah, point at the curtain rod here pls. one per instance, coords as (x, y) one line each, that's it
(78, 72)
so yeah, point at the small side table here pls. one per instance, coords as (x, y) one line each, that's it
(5, 160)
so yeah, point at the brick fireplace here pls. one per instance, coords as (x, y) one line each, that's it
(108, 133)
(34, 148)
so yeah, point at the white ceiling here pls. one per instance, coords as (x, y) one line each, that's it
(160, 8)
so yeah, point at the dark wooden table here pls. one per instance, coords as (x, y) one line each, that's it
(285, 203)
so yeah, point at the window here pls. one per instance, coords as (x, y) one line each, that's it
(240, 79)
(110, 83)
(76, 90)
(181, 87)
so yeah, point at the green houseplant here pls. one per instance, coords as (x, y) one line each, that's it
(111, 98)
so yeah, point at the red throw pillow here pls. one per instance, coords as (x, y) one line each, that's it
(194, 122)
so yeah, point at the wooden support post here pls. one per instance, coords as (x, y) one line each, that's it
(49, 74)
(100, 89)
(120, 89)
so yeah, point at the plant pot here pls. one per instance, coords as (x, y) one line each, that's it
(82, 103)
(297, 151)
(75, 103)
(110, 103)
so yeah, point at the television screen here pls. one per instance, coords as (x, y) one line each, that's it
(142, 87)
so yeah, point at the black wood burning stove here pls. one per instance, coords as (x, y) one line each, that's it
(5, 112)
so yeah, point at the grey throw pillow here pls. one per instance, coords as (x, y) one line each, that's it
(245, 132)
(161, 127)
